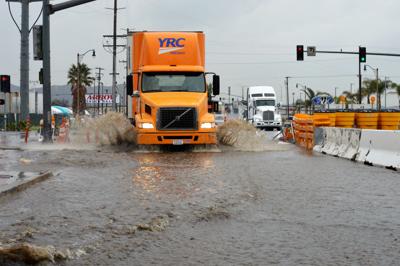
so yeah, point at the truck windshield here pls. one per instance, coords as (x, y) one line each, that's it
(177, 81)
(265, 102)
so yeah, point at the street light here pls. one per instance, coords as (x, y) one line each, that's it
(377, 81)
(78, 56)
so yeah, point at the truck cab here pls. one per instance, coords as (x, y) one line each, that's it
(169, 101)
(262, 108)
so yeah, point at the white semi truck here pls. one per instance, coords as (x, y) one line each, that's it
(262, 108)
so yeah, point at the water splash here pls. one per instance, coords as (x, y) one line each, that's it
(110, 129)
(245, 137)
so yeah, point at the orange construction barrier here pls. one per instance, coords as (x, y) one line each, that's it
(389, 120)
(367, 120)
(345, 119)
(63, 135)
(304, 130)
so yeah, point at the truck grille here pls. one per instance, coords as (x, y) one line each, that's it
(268, 115)
(177, 118)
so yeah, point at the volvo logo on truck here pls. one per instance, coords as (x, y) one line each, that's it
(168, 45)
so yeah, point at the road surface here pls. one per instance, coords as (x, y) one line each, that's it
(285, 207)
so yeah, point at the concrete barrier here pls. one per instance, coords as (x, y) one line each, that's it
(380, 147)
(341, 142)
(373, 147)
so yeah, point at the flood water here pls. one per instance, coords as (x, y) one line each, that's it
(285, 207)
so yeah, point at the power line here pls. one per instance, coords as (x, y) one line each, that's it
(276, 62)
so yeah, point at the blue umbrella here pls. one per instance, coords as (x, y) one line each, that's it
(60, 110)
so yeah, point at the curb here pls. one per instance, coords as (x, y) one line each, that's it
(10, 148)
(24, 184)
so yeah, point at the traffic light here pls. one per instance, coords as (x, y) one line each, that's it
(362, 52)
(300, 52)
(2, 101)
(5, 83)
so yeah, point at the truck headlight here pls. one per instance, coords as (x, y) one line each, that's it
(257, 119)
(146, 125)
(207, 125)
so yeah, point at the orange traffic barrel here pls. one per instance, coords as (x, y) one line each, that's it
(367, 120)
(345, 119)
(389, 120)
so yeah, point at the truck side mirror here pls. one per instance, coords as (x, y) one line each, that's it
(129, 84)
(215, 84)
(136, 94)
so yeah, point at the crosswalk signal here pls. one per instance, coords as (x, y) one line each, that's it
(300, 52)
(362, 52)
(5, 83)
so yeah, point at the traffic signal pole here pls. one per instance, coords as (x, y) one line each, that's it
(359, 82)
(47, 136)
(47, 11)
(359, 62)
(24, 61)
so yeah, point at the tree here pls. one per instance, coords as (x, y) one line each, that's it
(396, 88)
(350, 97)
(370, 87)
(310, 95)
(79, 78)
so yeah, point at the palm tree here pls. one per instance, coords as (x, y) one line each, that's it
(310, 93)
(79, 78)
(350, 97)
(371, 88)
(396, 88)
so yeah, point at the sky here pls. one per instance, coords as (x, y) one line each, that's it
(248, 42)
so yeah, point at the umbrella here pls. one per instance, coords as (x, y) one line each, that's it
(60, 110)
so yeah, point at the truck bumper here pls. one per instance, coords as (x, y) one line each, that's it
(192, 138)
(267, 124)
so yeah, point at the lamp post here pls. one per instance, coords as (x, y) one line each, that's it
(377, 83)
(78, 57)
(351, 93)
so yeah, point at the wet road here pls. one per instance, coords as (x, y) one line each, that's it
(227, 208)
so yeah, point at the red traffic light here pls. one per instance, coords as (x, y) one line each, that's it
(5, 83)
(300, 52)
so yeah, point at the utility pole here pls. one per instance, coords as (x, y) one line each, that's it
(335, 94)
(229, 95)
(377, 90)
(385, 89)
(125, 96)
(24, 55)
(351, 92)
(114, 79)
(287, 96)
(47, 11)
(98, 88)
(359, 83)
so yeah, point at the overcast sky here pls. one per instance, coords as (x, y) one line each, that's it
(248, 42)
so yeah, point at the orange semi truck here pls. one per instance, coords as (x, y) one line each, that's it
(169, 100)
